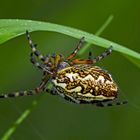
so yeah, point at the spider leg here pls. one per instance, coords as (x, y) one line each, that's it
(34, 50)
(93, 61)
(17, 94)
(40, 66)
(103, 104)
(90, 55)
(52, 91)
(107, 52)
(73, 54)
(37, 90)
(34, 62)
(20, 93)
(82, 61)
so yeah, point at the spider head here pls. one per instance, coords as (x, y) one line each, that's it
(56, 62)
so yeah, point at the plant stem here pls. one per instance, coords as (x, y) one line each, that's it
(98, 33)
(23, 116)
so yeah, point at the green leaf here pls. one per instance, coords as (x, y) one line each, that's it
(10, 28)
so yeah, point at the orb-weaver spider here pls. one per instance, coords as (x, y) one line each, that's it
(75, 80)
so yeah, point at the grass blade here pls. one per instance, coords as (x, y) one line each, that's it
(10, 28)
(18, 122)
(98, 33)
(103, 27)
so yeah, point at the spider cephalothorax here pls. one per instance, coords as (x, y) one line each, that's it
(76, 80)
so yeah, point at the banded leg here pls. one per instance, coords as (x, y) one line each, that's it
(73, 54)
(33, 48)
(34, 62)
(40, 66)
(104, 104)
(54, 91)
(107, 52)
(37, 90)
(82, 61)
(51, 91)
(93, 61)
(20, 93)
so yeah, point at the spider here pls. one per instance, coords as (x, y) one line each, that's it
(76, 80)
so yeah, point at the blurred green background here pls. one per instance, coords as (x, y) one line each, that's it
(54, 118)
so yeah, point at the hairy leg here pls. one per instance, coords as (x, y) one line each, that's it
(93, 61)
(74, 53)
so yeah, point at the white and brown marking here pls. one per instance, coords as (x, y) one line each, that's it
(86, 83)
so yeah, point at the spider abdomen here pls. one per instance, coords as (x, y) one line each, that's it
(85, 83)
